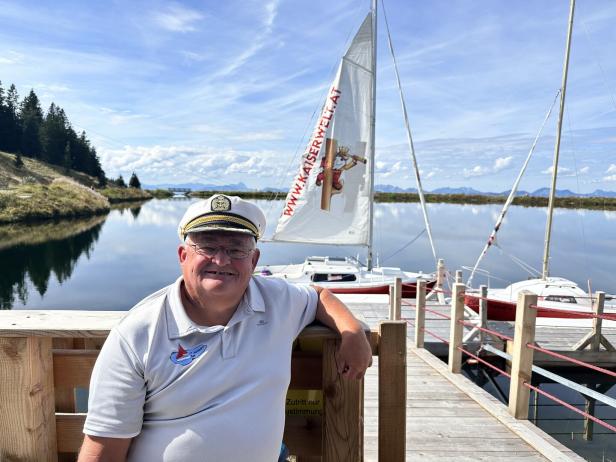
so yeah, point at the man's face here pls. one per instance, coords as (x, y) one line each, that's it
(217, 278)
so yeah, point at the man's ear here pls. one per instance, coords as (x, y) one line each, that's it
(182, 253)
(255, 258)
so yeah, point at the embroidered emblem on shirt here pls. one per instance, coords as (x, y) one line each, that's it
(184, 357)
(261, 322)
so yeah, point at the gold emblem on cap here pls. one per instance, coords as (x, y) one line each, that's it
(221, 204)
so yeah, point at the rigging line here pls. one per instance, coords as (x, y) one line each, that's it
(598, 62)
(405, 245)
(492, 238)
(521, 263)
(577, 179)
(410, 138)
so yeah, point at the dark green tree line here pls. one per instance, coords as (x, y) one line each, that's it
(26, 130)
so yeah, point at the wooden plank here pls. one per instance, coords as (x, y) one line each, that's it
(456, 330)
(521, 355)
(306, 371)
(73, 368)
(70, 431)
(27, 427)
(302, 435)
(342, 411)
(392, 391)
(65, 396)
(420, 314)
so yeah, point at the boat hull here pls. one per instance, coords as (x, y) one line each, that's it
(500, 310)
(409, 289)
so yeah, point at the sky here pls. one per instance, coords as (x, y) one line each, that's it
(227, 92)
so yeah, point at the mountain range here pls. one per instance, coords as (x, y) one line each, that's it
(543, 192)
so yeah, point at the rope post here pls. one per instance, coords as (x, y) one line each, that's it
(395, 300)
(595, 338)
(522, 356)
(456, 328)
(458, 276)
(437, 291)
(392, 391)
(483, 311)
(597, 307)
(420, 314)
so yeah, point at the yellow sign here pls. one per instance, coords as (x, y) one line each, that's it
(304, 402)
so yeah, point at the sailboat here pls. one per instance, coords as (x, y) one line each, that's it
(559, 293)
(331, 199)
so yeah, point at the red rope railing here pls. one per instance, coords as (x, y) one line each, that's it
(483, 329)
(483, 361)
(571, 360)
(569, 406)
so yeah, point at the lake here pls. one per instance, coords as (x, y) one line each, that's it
(110, 263)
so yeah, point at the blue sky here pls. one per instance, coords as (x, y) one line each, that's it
(222, 92)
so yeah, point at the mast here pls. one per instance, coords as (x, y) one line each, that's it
(372, 135)
(548, 227)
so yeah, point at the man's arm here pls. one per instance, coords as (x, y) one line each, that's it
(98, 449)
(354, 354)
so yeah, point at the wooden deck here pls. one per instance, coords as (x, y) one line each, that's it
(448, 417)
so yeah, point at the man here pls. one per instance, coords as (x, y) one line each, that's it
(199, 370)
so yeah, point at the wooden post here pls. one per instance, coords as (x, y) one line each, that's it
(392, 392)
(437, 291)
(28, 424)
(483, 311)
(343, 411)
(458, 276)
(595, 338)
(522, 356)
(420, 314)
(395, 300)
(456, 329)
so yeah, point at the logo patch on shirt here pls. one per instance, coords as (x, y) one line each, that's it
(184, 357)
(261, 322)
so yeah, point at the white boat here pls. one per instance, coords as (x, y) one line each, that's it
(332, 195)
(553, 292)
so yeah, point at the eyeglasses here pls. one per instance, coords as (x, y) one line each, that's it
(211, 251)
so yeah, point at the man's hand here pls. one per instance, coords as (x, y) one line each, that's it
(354, 355)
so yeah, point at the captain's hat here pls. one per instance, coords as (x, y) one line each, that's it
(223, 213)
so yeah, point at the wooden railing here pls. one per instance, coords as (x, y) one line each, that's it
(46, 356)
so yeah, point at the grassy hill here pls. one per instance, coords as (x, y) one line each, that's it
(37, 191)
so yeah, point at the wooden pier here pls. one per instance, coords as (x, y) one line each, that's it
(446, 416)
(449, 418)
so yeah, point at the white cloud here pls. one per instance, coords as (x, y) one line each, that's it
(11, 57)
(584, 170)
(609, 178)
(501, 163)
(177, 18)
(179, 164)
(611, 169)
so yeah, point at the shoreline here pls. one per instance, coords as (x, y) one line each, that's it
(588, 203)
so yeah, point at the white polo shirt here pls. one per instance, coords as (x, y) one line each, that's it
(188, 392)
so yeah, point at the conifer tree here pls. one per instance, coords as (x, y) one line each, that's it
(31, 117)
(134, 181)
(120, 182)
(11, 142)
(68, 161)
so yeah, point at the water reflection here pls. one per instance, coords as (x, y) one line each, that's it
(135, 252)
(37, 252)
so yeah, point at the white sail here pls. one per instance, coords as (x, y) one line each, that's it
(329, 200)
